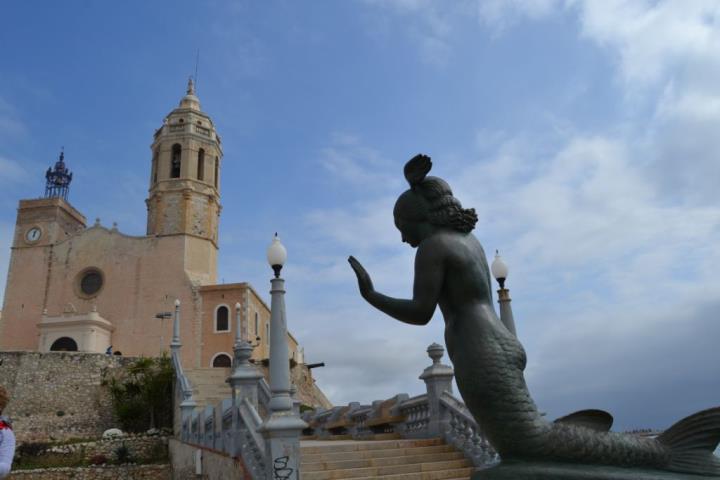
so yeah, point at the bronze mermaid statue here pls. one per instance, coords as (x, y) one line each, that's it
(451, 271)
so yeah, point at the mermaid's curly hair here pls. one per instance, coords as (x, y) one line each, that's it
(431, 199)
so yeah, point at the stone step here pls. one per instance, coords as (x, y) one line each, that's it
(422, 459)
(400, 459)
(313, 446)
(370, 454)
(209, 386)
(386, 436)
(459, 474)
(429, 470)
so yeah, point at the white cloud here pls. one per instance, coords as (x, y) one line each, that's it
(434, 27)
(351, 163)
(499, 14)
(12, 171)
(10, 125)
(653, 37)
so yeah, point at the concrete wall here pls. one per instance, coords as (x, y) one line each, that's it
(214, 464)
(58, 395)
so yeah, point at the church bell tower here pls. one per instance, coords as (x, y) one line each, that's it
(184, 197)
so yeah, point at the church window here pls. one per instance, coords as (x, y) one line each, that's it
(201, 165)
(217, 164)
(89, 282)
(175, 161)
(64, 344)
(221, 360)
(222, 319)
(257, 325)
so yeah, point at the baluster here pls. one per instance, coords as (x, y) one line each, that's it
(461, 433)
(452, 432)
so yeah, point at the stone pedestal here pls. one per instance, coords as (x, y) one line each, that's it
(438, 379)
(245, 376)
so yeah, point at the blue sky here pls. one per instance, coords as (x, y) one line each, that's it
(583, 132)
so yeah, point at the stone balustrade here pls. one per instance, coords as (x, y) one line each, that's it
(233, 426)
(434, 414)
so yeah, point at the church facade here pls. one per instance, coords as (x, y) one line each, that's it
(74, 286)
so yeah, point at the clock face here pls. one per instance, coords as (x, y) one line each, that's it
(33, 235)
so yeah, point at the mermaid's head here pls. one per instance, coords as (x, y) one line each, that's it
(428, 204)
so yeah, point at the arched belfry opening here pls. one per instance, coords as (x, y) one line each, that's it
(201, 165)
(175, 161)
(64, 344)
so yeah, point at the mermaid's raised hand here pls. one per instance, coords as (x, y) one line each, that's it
(364, 282)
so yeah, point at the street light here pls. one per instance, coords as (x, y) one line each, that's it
(162, 316)
(500, 271)
(276, 255)
(283, 426)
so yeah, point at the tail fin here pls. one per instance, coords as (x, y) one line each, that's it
(692, 441)
(597, 420)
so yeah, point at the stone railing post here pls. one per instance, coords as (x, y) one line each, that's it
(438, 379)
(187, 404)
(245, 376)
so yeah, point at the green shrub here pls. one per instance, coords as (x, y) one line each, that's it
(31, 449)
(142, 394)
(122, 454)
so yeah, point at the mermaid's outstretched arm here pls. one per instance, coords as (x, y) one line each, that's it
(429, 272)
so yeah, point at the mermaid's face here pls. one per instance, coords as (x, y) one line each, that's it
(411, 232)
(410, 211)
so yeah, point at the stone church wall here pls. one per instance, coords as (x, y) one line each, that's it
(58, 395)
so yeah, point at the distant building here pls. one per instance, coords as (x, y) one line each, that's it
(74, 287)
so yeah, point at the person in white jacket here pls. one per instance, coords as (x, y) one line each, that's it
(7, 437)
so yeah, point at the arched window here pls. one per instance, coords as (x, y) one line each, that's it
(217, 166)
(201, 165)
(175, 161)
(222, 319)
(222, 360)
(154, 167)
(257, 325)
(64, 344)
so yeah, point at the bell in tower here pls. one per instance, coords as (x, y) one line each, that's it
(184, 179)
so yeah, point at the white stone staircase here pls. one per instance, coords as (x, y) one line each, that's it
(209, 386)
(428, 459)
